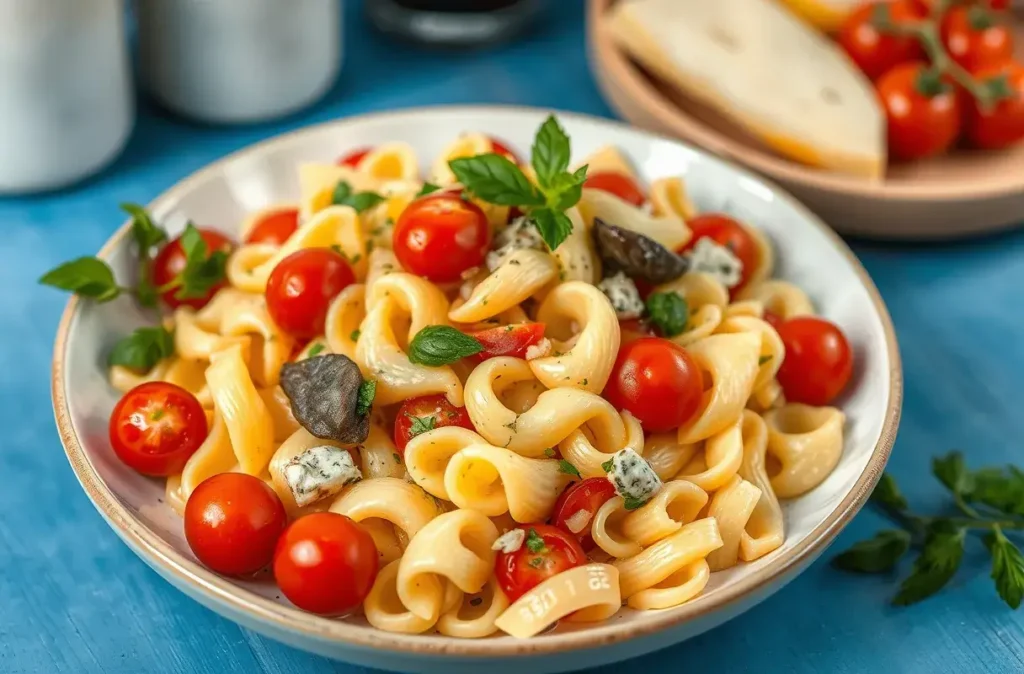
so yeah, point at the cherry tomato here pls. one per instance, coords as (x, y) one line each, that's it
(581, 497)
(508, 340)
(725, 231)
(497, 147)
(922, 111)
(325, 563)
(425, 414)
(772, 319)
(439, 236)
(301, 287)
(634, 328)
(618, 184)
(1003, 125)
(156, 427)
(275, 227)
(354, 157)
(818, 360)
(232, 523)
(170, 262)
(657, 381)
(976, 39)
(876, 52)
(546, 552)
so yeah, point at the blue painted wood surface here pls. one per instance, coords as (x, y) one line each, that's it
(74, 599)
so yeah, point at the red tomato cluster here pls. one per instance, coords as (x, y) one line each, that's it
(928, 110)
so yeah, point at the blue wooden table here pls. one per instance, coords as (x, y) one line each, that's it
(74, 599)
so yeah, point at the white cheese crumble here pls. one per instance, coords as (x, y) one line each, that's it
(510, 541)
(541, 349)
(633, 477)
(320, 472)
(518, 234)
(718, 261)
(622, 293)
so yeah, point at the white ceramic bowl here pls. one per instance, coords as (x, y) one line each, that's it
(220, 195)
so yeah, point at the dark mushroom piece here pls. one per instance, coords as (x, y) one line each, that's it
(638, 256)
(325, 396)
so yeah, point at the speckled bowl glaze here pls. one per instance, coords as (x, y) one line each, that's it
(220, 195)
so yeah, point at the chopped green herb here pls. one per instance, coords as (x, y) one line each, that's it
(364, 401)
(421, 424)
(317, 348)
(569, 469)
(534, 542)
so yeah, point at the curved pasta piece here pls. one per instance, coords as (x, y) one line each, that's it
(453, 547)
(344, 316)
(379, 456)
(606, 529)
(270, 347)
(244, 260)
(555, 415)
(782, 298)
(718, 463)
(693, 542)
(280, 409)
(379, 221)
(765, 530)
(407, 507)
(249, 424)
(124, 379)
(666, 456)
(765, 256)
(578, 450)
(384, 610)
(380, 263)
(580, 590)
(390, 161)
(670, 231)
(608, 159)
(678, 502)
(678, 588)
(385, 539)
(193, 342)
(213, 457)
(466, 145)
(807, 442)
(587, 362)
(772, 353)
(731, 361)
(576, 255)
(520, 396)
(706, 299)
(423, 301)
(427, 456)
(752, 308)
(523, 274)
(492, 480)
(731, 507)
(669, 197)
(475, 617)
(318, 181)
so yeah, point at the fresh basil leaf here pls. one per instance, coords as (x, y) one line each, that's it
(1007, 568)
(143, 349)
(669, 311)
(550, 152)
(144, 231)
(421, 424)
(566, 190)
(999, 489)
(534, 542)
(952, 472)
(554, 226)
(315, 351)
(888, 494)
(437, 345)
(549, 452)
(632, 503)
(428, 188)
(876, 554)
(569, 469)
(86, 276)
(496, 180)
(935, 566)
(203, 269)
(342, 191)
(360, 201)
(364, 399)
(608, 465)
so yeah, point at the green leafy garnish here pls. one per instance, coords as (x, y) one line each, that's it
(763, 359)
(875, 554)
(427, 188)
(887, 494)
(569, 469)
(437, 345)
(364, 400)
(934, 567)
(360, 201)
(355, 335)
(534, 542)
(86, 276)
(549, 452)
(147, 234)
(143, 349)
(1007, 567)
(421, 425)
(608, 465)
(632, 503)
(317, 348)
(669, 312)
(203, 270)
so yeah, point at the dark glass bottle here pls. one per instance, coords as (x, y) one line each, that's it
(453, 23)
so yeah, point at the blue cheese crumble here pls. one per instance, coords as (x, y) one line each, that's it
(518, 234)
(320, 472)
(719, 261)
(633, 478)
(622, 293)
(510, 541)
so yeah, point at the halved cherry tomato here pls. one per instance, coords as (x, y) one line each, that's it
(874, 51)
(976, 38)
(578, 504)
(325, 563)
(1003, 125)
(354, 157)
(657, 381)
(508, 340)
(419, 415)
(546, 552)
(497, 147)
(301, 287)
(156, 427)
(922, 111)
(441, 235)
(275, 227)
(171, 261)
(633, 329)
(232, 523)
(818, 362)
(728, 232)
(618, 184)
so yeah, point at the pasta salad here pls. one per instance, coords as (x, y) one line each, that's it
(503, 395)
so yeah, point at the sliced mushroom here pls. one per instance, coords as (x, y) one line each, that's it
(324, 393)
(637, 255)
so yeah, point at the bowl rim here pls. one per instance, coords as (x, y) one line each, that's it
(606, 55)
(216, 589)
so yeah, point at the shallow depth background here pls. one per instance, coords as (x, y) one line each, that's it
(73, 598)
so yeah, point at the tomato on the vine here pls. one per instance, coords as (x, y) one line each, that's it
(547, 551)
(419, 415)
(171, 261)
(619, 184)
(975, 38)
(725, 231)
(301, 287)
(874, 51)
(575, 508)
(353, 158)
(325, 563)
(232, 523)
(922, 111)
(441, 235)
(818, 361)
(1003, 124)
(657, 381)
(156, 427)
(508, 340)
(275, 227)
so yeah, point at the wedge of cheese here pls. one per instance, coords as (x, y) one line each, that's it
(765, 69)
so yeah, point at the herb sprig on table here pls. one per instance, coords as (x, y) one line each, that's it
(988, 501)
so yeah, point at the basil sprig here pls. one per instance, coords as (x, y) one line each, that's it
(437, 345)
(143, 349)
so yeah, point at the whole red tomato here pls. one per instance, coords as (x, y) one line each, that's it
(441, 235)
(419, 415)
(619, 184)
(156, 427)
(171, 261)
(546, 552)
(1003, 124)
(274, 227)
(232, 523)
(874, 51)
(301, 287)
(818, 362)
(975, 38)
(657, 381)
(575, 508)
(921, 109)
